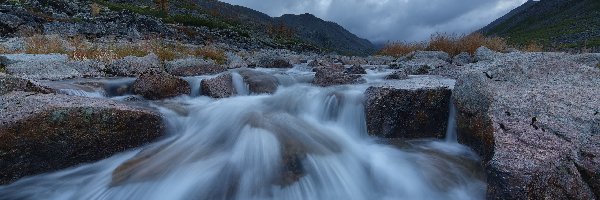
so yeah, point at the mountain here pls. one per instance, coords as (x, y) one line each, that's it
(555, 24)
(328, 35)
(193, 21)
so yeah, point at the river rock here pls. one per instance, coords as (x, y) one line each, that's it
(45, 132)
(134, 66)
(193, 67)
(335, 75)
(356, 69)
(408, 109)
(398, 74)
(8, 59)
(534, 120)
(274, 62)
(160, 85)
(259, 82)
(9, 83)
(218, 87)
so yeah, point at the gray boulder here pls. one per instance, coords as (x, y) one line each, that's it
(462, 59)
(46, 132)
(484, 54)
(218, 87)
(193, 67)
(535, 124)
(398, 74)
(133, 66)
(43, 70)
(356, 69)
(8, 59)
(408, 109)
(160, 85)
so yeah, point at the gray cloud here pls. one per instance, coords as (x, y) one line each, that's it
(393, 20)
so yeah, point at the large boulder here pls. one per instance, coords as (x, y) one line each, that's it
(45, 132)
(335, 75)
(259, 82)
(133, 66)
(430, 55)
(42, 66)
(160, 85)
(484, 54)
(218, 87)
(356, 69)
(462, 59)
(534, 119)
(193, 67)
(409, 108)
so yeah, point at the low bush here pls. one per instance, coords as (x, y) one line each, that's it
(449, 43)
(533, 47)
(42, 44)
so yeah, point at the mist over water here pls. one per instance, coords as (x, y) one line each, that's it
(303, 142)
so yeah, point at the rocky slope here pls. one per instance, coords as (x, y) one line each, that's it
(555, 24)
(191, 21)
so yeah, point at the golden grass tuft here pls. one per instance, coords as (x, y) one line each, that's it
(210, 52)
(398, 49)
(42, 44)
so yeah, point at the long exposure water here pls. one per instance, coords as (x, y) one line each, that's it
(303, 142)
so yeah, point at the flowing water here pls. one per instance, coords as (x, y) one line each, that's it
(303, 142)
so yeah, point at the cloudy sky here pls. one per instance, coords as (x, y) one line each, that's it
(393, 20)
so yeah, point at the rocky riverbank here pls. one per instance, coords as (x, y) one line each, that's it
(532, 117)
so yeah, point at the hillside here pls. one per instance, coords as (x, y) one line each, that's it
(191, 21)
(555, 24)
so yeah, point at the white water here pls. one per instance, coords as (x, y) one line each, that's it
(451, 130)
(303, 142)
(241, 88)
(83, 93)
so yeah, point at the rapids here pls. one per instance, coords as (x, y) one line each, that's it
(303, 142)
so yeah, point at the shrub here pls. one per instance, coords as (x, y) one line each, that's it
(41, 44)
(444, 42)
(95, 9)
(400, 49)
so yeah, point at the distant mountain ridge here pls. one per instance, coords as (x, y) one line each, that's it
(193, 21)
(555, 24)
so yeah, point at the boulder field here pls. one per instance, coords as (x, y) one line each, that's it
(533, 118)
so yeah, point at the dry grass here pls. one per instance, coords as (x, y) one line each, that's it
(451, 44)
(400, 49)
(164, 50)
(533, 47)
(41, 44)
(3, 50)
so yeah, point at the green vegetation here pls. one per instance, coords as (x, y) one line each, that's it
(552, 26)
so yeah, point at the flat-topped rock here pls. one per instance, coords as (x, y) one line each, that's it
(45, 132)
(417, 107)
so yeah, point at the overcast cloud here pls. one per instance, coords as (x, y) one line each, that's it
(393, 20)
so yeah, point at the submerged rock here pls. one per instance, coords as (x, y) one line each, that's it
(406, 112)
(160, 85)
(218, 87)
(45, 132)
(259, 82)
(534, 120)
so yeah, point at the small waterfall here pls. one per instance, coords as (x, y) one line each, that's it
(302, 142)
(241, 88)
(451, 130)
(194, 83)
